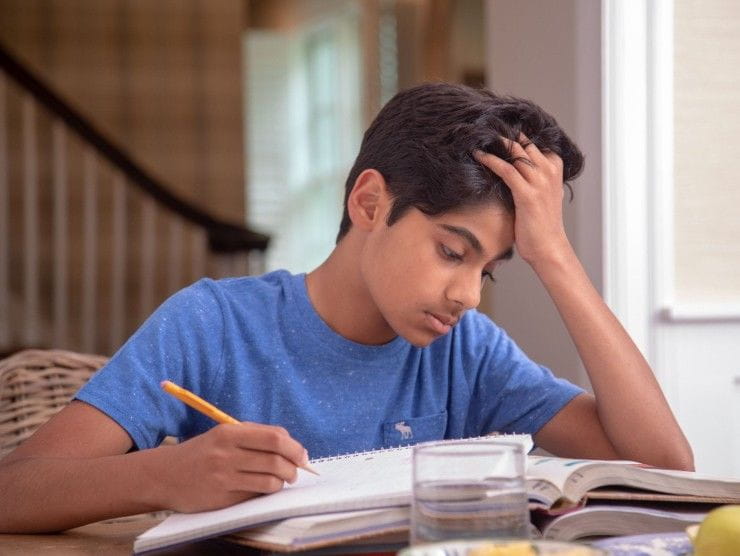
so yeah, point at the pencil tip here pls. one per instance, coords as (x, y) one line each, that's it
(310, 469)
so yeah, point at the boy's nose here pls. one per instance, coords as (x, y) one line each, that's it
(465, 290)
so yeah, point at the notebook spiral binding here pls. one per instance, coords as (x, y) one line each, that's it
(496, 436)
(363, 453)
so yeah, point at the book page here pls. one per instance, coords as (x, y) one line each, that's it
(546, 475)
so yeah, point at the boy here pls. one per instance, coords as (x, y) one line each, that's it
(380, 345)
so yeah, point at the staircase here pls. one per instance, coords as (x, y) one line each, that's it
(90, 242)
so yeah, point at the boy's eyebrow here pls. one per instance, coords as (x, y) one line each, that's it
(465, 233)
(470, 237)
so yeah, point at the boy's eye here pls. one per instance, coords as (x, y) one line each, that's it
(450, 254)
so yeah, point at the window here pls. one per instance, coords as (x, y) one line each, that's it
(303, 125)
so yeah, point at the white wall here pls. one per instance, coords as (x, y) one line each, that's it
(550, 53)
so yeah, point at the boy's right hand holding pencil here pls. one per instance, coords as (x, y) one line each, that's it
(232, 462)
(228, 464)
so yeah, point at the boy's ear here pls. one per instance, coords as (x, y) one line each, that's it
(368, 201)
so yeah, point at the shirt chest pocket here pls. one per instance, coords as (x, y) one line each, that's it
(415, 429)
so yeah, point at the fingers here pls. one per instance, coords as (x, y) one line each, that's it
(268, 463)
(532, 152)
(548, 160)
(265, 454)
(526, 157)
(503, 169)
(262, 483)
(268, 438)
(528, 166)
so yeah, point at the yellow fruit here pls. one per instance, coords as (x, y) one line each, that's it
(508, 549)
(719, 533)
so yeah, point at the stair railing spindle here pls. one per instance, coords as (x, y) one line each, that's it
(90, 253)
(60, 241)
(5, 316)
(174, 254)
(148, 253)
(30, 223)
(118, 265)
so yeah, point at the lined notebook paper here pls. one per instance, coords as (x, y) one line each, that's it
(359, 481)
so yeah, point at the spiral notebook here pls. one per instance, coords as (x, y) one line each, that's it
(377, 479)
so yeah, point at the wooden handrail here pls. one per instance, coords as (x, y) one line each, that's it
(223, 236)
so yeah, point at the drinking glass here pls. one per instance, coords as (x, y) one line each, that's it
(468, 490)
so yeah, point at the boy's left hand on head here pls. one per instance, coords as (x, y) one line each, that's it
(536, 182)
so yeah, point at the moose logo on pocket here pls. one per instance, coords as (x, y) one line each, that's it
(415, 429)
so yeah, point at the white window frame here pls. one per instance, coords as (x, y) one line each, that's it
(637, 78)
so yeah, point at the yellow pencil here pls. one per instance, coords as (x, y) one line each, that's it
(199, 404)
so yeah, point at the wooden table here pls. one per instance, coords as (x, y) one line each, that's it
(106, 538)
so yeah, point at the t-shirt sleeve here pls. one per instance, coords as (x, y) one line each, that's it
(181, 341)
(510, 393)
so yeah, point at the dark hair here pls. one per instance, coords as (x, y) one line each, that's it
(422, 142)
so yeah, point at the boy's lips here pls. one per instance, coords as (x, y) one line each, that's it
(441, 324)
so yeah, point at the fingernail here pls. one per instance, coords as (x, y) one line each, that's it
(305, 457)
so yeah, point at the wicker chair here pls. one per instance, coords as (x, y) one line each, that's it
(34, 385)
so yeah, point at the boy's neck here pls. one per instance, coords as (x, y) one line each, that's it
(339, 295)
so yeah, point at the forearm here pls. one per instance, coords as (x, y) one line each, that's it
(42, 494)
(631, 407)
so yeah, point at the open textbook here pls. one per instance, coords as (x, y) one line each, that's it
(552, 480)
(382, 480)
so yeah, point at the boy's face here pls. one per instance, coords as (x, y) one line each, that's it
(424, 272)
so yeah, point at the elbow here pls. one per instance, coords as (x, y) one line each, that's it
(686, 458)
(675, 457)
(680, 459)
(685, 463)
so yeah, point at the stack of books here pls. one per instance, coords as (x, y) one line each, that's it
(361, 502)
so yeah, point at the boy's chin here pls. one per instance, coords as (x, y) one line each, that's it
(419, 340)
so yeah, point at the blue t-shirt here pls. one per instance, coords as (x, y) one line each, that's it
(256, 348)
